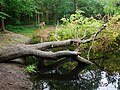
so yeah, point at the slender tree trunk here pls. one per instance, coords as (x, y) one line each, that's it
(75, 6)
(47, 17)
(38, 17)
(2, 26)
(29, 19)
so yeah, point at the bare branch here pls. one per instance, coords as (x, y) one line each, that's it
(94, 37)
(53, 44)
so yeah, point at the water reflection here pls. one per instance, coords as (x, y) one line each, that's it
(109, 82)
(88, 80)
(104, 75)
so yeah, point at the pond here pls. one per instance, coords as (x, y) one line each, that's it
(104, 74)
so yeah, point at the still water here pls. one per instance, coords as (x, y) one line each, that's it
(87, 80)
(103, 75)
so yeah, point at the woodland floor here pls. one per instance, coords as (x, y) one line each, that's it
(12, 74)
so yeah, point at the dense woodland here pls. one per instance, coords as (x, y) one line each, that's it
(83, 30)
(51, 11)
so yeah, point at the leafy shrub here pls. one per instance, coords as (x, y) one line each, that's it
(110, 37)
(31, 69)
(76, 26)
(3, 15)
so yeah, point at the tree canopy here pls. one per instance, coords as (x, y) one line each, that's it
(52, 10)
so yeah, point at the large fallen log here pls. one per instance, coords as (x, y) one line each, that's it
(7, 54)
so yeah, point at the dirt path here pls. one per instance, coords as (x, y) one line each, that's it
(11, 39)
(12, 75)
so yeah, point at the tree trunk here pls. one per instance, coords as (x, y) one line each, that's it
(19, 51)
(47, 17)
(75, 6)
(2, 27)
(36, 19)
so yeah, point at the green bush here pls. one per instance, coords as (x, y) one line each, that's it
(31, 69)
(75, 27)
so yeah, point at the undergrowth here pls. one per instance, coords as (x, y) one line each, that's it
(24, 30)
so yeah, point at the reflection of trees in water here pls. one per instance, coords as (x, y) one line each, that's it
(118, 84)
(103, 74)
(41, 85)
(88, 80)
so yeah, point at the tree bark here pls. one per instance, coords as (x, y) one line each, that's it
(75, 6)
(2, 26)
(7, 54)
(47, 16)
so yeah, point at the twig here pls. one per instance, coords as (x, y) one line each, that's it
(84, 35)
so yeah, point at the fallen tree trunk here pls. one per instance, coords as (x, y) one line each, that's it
(19, 51)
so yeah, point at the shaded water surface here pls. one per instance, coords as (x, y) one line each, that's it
(103, 75)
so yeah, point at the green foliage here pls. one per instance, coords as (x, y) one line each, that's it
(3, 15)
(109, 38)
(52, 10)
(93, 7)
(76, 27)
(19, 8)
(31, 69)
(110, 6)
